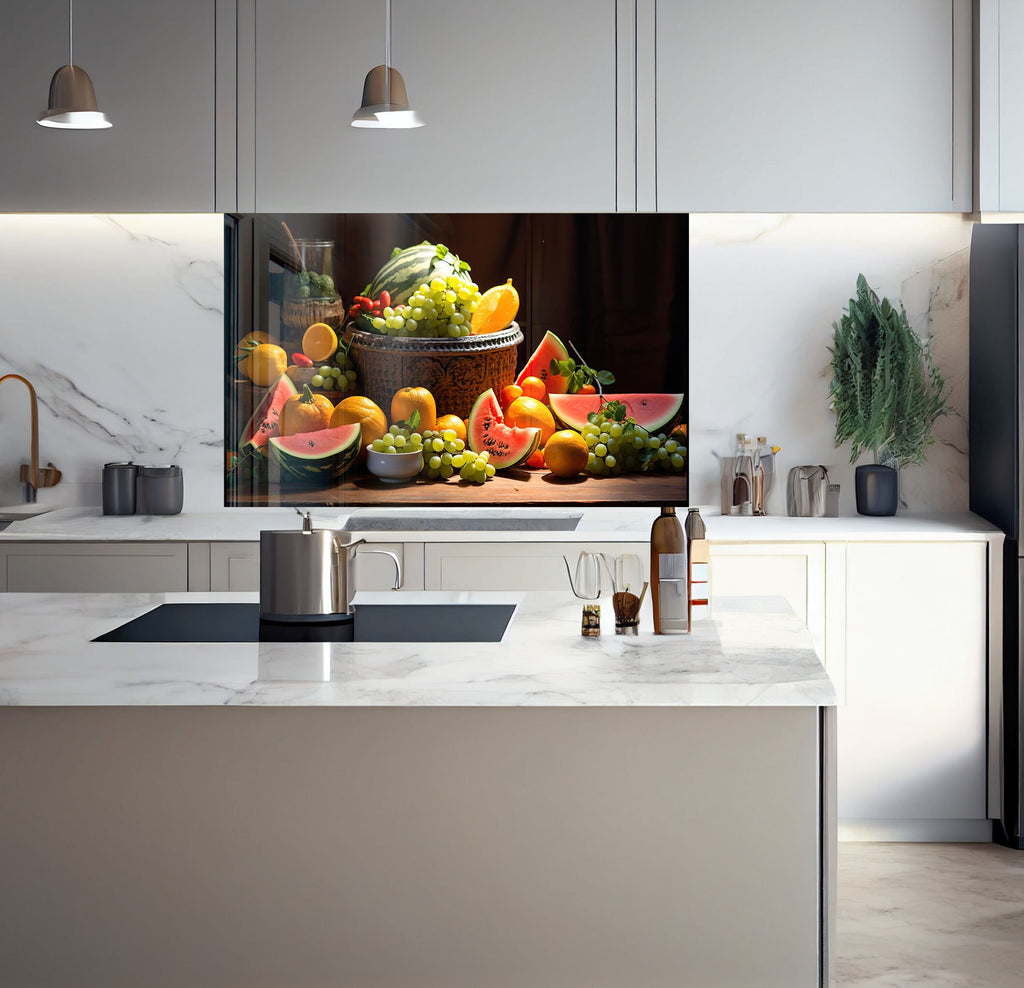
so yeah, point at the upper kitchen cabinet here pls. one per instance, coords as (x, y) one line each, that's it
(518, 99)
(153, 69)
(806, 106)
(999, 106)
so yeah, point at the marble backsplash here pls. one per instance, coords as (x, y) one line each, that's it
(118, 322)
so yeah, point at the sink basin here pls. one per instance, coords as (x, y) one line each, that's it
(18, 512)
(473, 520)
(240, 622)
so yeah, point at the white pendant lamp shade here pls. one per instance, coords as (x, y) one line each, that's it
(72, 103)
(385, 103)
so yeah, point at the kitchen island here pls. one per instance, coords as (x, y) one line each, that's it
(544, 810)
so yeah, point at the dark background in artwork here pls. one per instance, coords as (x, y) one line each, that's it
(614, 284)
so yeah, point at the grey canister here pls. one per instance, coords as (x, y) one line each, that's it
(119, 481)
(160, 490)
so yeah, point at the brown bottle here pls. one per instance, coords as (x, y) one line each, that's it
(668, 573)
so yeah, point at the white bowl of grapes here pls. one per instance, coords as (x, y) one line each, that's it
(397, 461)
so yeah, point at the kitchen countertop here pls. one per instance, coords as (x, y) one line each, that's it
(595, 524)
(753, 651)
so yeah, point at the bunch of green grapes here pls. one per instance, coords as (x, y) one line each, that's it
(618, 445)
(445, 454)
(399, 439)
(444, 307)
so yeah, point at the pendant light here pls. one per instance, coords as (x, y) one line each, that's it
(385, 103)
(72, 103)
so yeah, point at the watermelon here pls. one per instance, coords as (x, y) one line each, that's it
(264, 421)
(539, 365)
(654, 412)
(315, 459)
(486, 431)
(408, 269)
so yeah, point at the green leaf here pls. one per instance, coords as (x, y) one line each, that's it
(605, 377)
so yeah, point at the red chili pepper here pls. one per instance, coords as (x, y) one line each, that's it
(385, 297)
(354, 311)
(301, 360)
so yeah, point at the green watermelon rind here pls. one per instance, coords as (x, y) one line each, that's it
(403, 273)
(277, 394)
(572, 410)
(539, 364)
(324, 466)
(476, 430)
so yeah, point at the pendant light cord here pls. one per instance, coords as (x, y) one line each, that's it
(71, 32)
(387, 53)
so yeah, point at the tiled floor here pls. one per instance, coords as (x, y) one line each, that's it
(942, 915)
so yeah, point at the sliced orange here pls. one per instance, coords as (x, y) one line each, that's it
(497, 307)
(319, 342)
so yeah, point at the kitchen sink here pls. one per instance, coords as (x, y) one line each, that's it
(477, 520)
(240, 622)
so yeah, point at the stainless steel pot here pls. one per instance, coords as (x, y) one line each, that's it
(306, 573)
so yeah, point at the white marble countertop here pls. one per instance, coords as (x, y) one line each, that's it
(751, 652)
(594, 524)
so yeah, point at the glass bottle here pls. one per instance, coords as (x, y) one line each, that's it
(743, 477)
(668, 573)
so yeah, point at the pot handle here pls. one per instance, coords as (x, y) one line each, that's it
(340, 546)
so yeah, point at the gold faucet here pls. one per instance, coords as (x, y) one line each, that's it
(31, 477)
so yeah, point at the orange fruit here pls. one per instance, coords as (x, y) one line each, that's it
(528, 413)
(587, 389)
(565, 453)
(410, 400)
(319, 342)
(535, 459)
(454, 423)
(245, 346)
(534, 387)
(307, 412)
(509, 393)
(368, 414)
(265, 364)
(496, 309)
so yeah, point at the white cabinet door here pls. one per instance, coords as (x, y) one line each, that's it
(1000, 105)
(514, 565)
(911, 735)
(794, 571)
(518, 99)
(236, 566)
(153, 69)
(800, 105)
(94, 567)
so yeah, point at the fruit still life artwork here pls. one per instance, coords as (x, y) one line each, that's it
(434, 388)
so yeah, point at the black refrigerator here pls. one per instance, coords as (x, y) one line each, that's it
(997, 475)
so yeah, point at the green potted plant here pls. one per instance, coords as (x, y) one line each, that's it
(886, 393)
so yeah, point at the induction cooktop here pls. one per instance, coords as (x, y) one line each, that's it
(240, 622)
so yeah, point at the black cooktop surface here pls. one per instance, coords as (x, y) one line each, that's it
(240, 622)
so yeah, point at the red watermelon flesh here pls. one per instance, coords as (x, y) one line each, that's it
(539, 365)
(654, 412)
(315, 458)
(263, 423)
(487, 432)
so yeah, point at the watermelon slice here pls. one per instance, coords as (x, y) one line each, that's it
(486, 431)
(539, 365)
(654, 412)
(264, 421)
(314, 459)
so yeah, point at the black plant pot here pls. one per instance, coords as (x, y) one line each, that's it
(878, 489)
